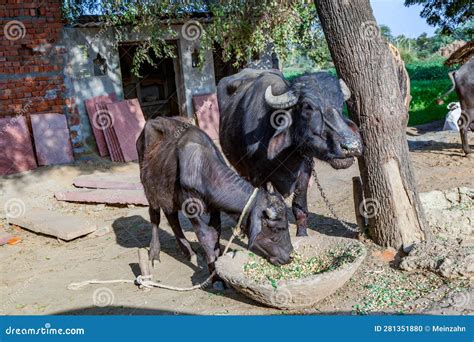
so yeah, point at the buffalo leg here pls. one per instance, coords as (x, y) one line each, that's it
(183, 243)
(299, 204)
(215, 222)
(465, 141)
(155, 247)
(209, 240)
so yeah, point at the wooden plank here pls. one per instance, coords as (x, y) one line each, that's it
(136, 197)
(63, 226)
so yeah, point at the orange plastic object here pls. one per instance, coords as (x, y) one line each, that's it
(14, 240)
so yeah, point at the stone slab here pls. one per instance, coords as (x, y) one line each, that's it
(93, 116)
(107, 196)
(63, 226)
(206, 109)
(109, 133)
(95, 182)
(4, 237)
(17, 153)
(128, 123)
(52, 140)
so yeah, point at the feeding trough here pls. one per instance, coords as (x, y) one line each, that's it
(301, 289)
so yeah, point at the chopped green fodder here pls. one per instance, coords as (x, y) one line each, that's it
(260, 270)
(401, 292)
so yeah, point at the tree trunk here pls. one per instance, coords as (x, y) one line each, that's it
(363, 60)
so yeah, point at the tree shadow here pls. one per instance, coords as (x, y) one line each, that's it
(325, 225)
(138, 311)
(433, 145)
(418, 130)
(135, 232)
(119, 310)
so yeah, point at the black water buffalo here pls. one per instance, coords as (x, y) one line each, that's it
(182, 170)
(463, 83)
(270, 130)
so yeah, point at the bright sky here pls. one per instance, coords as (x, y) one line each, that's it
(401, 19)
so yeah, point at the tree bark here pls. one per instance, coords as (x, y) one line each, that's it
(363, 60)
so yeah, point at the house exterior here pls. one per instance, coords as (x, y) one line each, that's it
(50, 66)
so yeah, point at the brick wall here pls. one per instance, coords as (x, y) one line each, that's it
(31, 57)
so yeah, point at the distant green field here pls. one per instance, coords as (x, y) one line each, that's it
(429, 80)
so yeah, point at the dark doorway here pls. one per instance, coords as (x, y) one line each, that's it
(156, 89)
(221, 68)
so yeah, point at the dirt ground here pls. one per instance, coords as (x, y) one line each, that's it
(36, 272)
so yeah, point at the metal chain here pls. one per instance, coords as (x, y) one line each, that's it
(329, 205)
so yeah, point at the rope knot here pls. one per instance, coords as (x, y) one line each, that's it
(144, 280)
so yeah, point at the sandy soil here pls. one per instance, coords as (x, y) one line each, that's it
(36, 272)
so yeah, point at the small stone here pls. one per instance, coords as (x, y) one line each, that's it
(218, 286)
(446, 268)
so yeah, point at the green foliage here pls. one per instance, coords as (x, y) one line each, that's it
(426, 48)
(243, 29)
(427, 70)
(428, 81)
(423, 106)
(386, 32)
(407, 55)
(447, 14)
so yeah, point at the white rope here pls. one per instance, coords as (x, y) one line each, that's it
(146, 281)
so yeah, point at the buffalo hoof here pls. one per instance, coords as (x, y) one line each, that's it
(301, 231)
(154, 254)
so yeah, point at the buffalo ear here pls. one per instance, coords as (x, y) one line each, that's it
(280, 140)
(255, 227)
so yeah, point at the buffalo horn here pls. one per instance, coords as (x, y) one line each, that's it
(271, 213)
(282, 101)
(345, 89)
